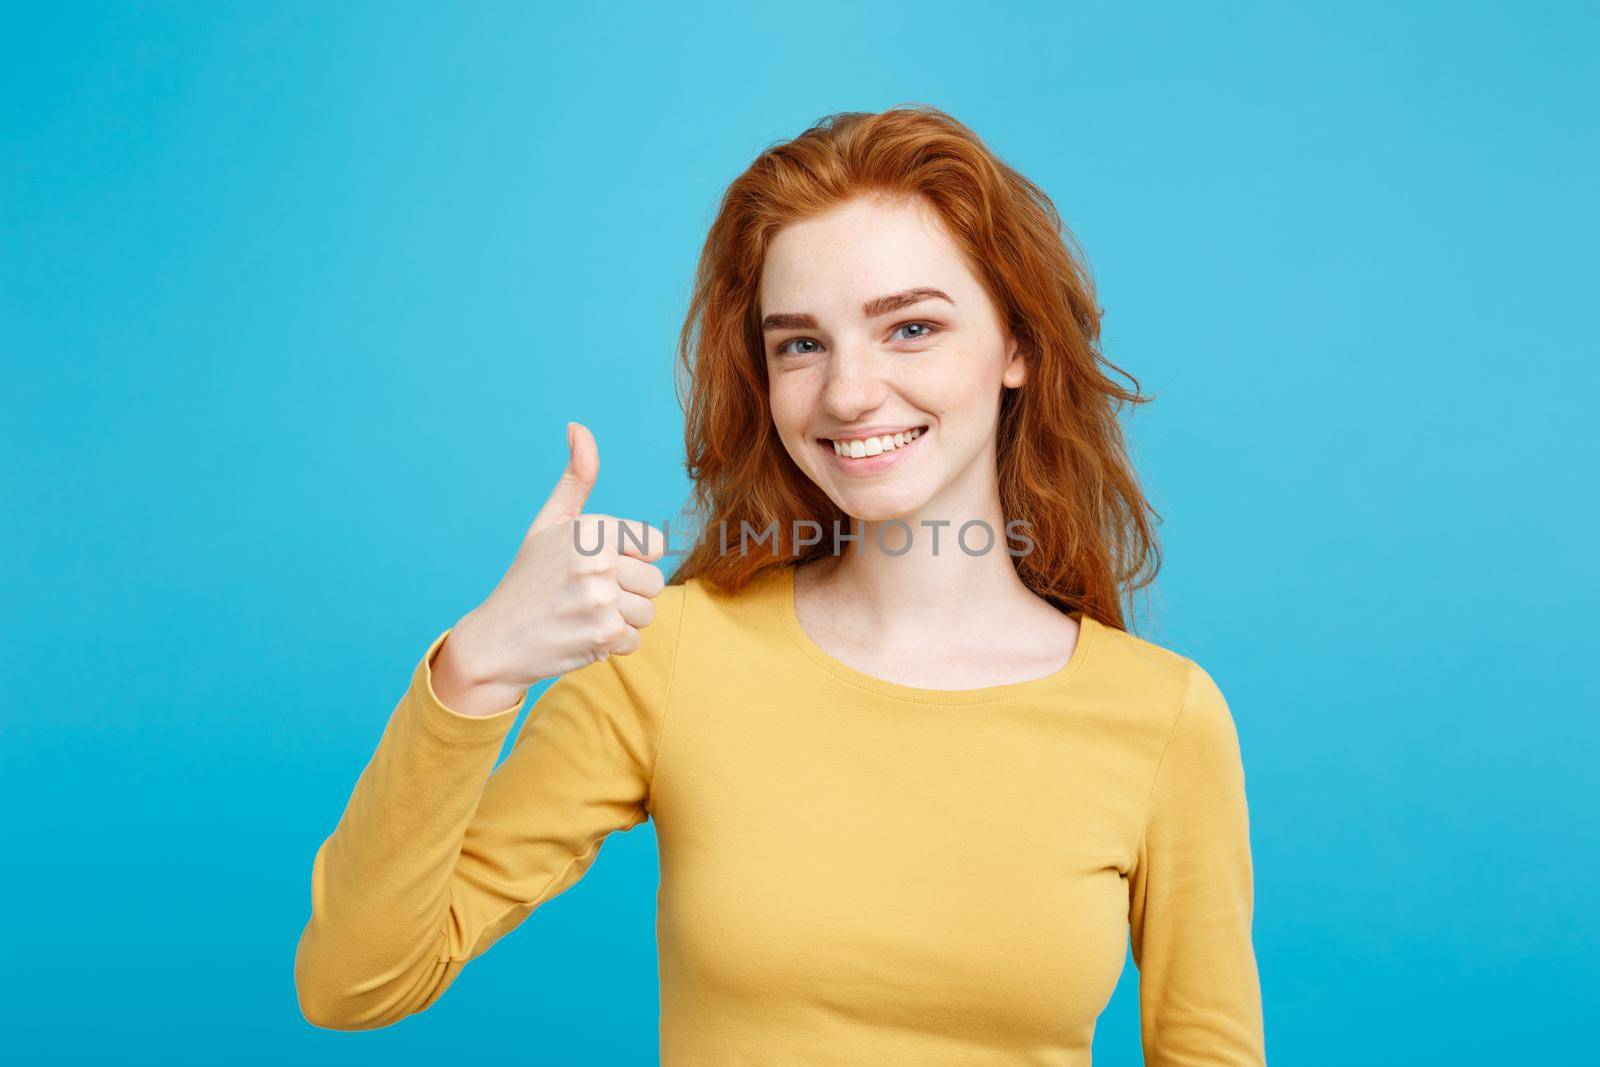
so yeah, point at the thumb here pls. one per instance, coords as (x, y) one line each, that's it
(572, 490)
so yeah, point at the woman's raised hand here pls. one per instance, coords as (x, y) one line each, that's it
(558, 608)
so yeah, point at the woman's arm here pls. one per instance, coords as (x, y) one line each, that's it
(436, 858)
(1191, 897)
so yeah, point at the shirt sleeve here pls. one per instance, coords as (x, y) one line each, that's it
(1191, 897)
(439, 853)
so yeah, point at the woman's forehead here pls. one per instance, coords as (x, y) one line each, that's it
(835, 264)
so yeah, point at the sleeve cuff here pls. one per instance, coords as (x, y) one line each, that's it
(450, 725)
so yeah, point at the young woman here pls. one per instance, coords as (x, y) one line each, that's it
(913, 790)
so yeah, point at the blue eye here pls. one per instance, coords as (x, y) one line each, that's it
(928, 329)
(785, 346)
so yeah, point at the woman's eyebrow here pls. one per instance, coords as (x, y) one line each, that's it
(882, 305)
(780, 320)
(905, 298)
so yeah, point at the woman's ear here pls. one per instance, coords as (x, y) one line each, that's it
(1016, 371)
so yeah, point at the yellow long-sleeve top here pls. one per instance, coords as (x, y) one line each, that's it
(852, 870)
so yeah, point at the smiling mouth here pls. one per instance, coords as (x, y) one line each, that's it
(860, 448)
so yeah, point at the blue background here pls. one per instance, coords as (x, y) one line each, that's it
(294, 304)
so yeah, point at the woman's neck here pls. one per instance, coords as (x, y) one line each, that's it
(940, 576)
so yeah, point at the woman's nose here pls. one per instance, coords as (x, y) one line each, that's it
(855, 384)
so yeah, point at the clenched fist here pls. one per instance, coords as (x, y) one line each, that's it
(557, 608)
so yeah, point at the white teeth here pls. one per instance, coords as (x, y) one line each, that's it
(862, 447)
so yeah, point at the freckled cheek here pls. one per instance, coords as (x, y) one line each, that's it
(790, 411)
(941, 389)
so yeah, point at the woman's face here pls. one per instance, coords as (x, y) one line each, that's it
(874, 326)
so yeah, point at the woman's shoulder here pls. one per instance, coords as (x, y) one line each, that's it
(1154, 672)
(758, 594)
(707, 614)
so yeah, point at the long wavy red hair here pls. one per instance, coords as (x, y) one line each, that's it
(1062, 461)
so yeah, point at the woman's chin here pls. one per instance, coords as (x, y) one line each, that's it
(879, 504)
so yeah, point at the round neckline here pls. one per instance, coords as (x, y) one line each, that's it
(988, 694)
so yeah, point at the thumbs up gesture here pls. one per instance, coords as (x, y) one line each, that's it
(556, 609)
